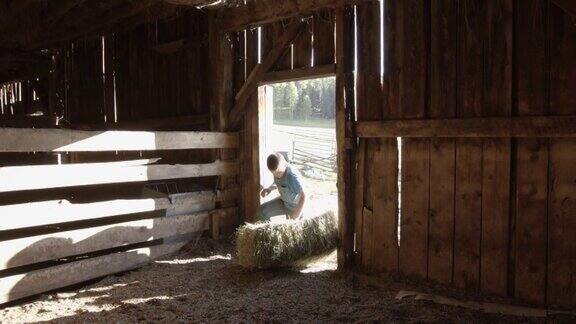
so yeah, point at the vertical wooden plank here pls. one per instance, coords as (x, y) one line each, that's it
(562, 176)
(252, 146)
(369, 91)
(386, 206)
(530, 219)
(415, 20)
(369, 234)
(468, 212)
(387, 155)
(344, 114)
(359, 183)
(496, 155)
(324, 37)
(303, 47)
(532, 181)
(444, 33)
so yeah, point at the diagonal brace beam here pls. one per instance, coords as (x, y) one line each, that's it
(258, 73)
(567, 5)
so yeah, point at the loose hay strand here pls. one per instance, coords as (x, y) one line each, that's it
(271, 245)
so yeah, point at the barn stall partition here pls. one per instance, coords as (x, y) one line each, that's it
(108, 160)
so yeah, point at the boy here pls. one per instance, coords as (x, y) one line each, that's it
(289, 184)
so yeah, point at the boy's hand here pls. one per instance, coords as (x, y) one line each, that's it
(265, 192)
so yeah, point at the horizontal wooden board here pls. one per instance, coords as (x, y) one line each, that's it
(36, 282)
(29, 250)
(320, 71)
(71, 175)
(494, 127)
(20, 216)
(66, 140)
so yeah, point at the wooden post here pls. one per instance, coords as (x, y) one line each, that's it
(221, 98)
(344, 110)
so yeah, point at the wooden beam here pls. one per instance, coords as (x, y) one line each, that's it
(72, 175)
(255, 13)
(261, 69)
(567, 5)
(344, 113)
(48, 213)
(157, 124)
(491, 127)
(41, 248)
(321, 71)
(65, 140)
(38, 281)
(60, 9)
(196, 3)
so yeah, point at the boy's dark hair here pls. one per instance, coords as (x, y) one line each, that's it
(272, 162)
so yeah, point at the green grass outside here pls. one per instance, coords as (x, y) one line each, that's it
(320, 123)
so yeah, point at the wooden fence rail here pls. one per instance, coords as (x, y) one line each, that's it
(70, 175)
(46, 213)
(66, 140)
(488, 127)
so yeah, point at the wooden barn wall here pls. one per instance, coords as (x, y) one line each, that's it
(152, 72)
(498, 215)
(109, 205)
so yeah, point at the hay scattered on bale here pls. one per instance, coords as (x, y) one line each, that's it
(288, 243)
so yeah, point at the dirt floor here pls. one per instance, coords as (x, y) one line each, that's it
(202, 284)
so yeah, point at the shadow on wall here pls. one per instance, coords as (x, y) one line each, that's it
(87, 253)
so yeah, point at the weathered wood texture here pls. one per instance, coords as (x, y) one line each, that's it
(561, 278)
(85, 174)
(34, 249)
(369, 92)
(344, 20)
(481, 127)
(54, 212)
(60, 140)
(38, 281)
(79, 211)
(480, 93)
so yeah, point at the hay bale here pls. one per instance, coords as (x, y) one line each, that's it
(272, 245)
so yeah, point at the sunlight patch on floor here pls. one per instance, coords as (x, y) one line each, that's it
(196, 260)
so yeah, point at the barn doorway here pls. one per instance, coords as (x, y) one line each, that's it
(297, 119)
